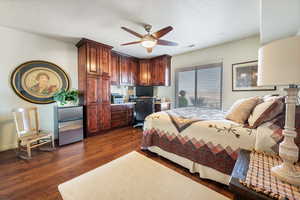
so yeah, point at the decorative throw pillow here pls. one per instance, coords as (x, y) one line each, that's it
(241, 109)
(266, 111)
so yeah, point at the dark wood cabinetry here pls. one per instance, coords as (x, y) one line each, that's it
(104, 57)
(94, 83)
(125, 71)
(131, 71)
(99, 67)
(144, 72)
(155, 71)
(160, 71)
(92, 64)
(121, 115)
(115, 69)
(134, 71)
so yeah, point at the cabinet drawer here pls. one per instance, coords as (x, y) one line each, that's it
(70, 125)
(71, 113)
(118, 123)
(118, 115)
(70, 136)
(118, 108)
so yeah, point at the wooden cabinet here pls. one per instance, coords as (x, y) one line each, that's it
(125, 71)
(105, 116)
(93, 86)
(115, 69)
(92, 60)
(154, 71)
(134, 71)
(164, 70)
(160, 71)
(122, 115)
(104, 60)
(144, 72)
(105, 90)
(92, 119)
(94, 83)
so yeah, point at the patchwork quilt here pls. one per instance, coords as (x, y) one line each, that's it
(200, 135)
(205, 137)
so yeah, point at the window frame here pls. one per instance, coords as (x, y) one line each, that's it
(195, 68)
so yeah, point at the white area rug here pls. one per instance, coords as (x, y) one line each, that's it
(135, 177)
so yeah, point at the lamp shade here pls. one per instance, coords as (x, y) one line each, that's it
(279, 62)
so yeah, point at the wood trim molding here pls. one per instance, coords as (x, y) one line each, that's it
(85, 40)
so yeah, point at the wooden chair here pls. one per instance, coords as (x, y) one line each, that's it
(29, 134)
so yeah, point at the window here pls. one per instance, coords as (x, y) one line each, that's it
(199, 86)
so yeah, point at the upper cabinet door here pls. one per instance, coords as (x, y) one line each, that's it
(165, 71)
(115, 70)
(92, 66)
(104, 60)
(154, 71)
(125, 71)
(160, 70)
(144, 73)
(134, 71)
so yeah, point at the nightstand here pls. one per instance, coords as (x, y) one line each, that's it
(240, 169)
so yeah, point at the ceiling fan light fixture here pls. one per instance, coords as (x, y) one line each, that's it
(148, 41)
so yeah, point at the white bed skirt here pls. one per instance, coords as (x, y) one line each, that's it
(204, 172)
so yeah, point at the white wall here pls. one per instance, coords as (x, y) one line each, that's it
(278, 19)
(18, 47)
(229, 53)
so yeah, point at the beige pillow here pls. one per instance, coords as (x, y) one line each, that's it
(241, 109)
(266, 111)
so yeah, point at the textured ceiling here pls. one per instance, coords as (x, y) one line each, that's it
(200, 22)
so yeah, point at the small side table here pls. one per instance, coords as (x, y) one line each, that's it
(162, 106)
(240, 169)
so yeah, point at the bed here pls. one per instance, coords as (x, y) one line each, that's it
(203, 141)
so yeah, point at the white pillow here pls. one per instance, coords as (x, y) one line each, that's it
(241, 109)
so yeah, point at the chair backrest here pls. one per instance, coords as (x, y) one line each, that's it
(26, 120)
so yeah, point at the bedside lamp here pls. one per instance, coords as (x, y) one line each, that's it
(279, 65)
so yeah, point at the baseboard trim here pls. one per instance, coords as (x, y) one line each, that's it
(7, 147)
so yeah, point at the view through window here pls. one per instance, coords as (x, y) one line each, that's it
(199, 86)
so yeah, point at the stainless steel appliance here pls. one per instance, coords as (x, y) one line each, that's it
(117, 98)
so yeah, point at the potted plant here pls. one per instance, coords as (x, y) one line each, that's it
(66, 97)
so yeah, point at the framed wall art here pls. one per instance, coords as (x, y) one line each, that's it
(37, 81)
(244, 77)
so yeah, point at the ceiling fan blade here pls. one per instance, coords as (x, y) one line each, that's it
(166, 43)
(132, 32)
(149, 50)
(129, 43)
(162, 32)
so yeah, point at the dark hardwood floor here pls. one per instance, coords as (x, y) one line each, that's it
(39, 177)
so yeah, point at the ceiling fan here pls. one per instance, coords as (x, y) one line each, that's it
(150, 40)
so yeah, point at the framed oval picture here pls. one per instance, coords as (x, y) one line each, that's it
(37, 81)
